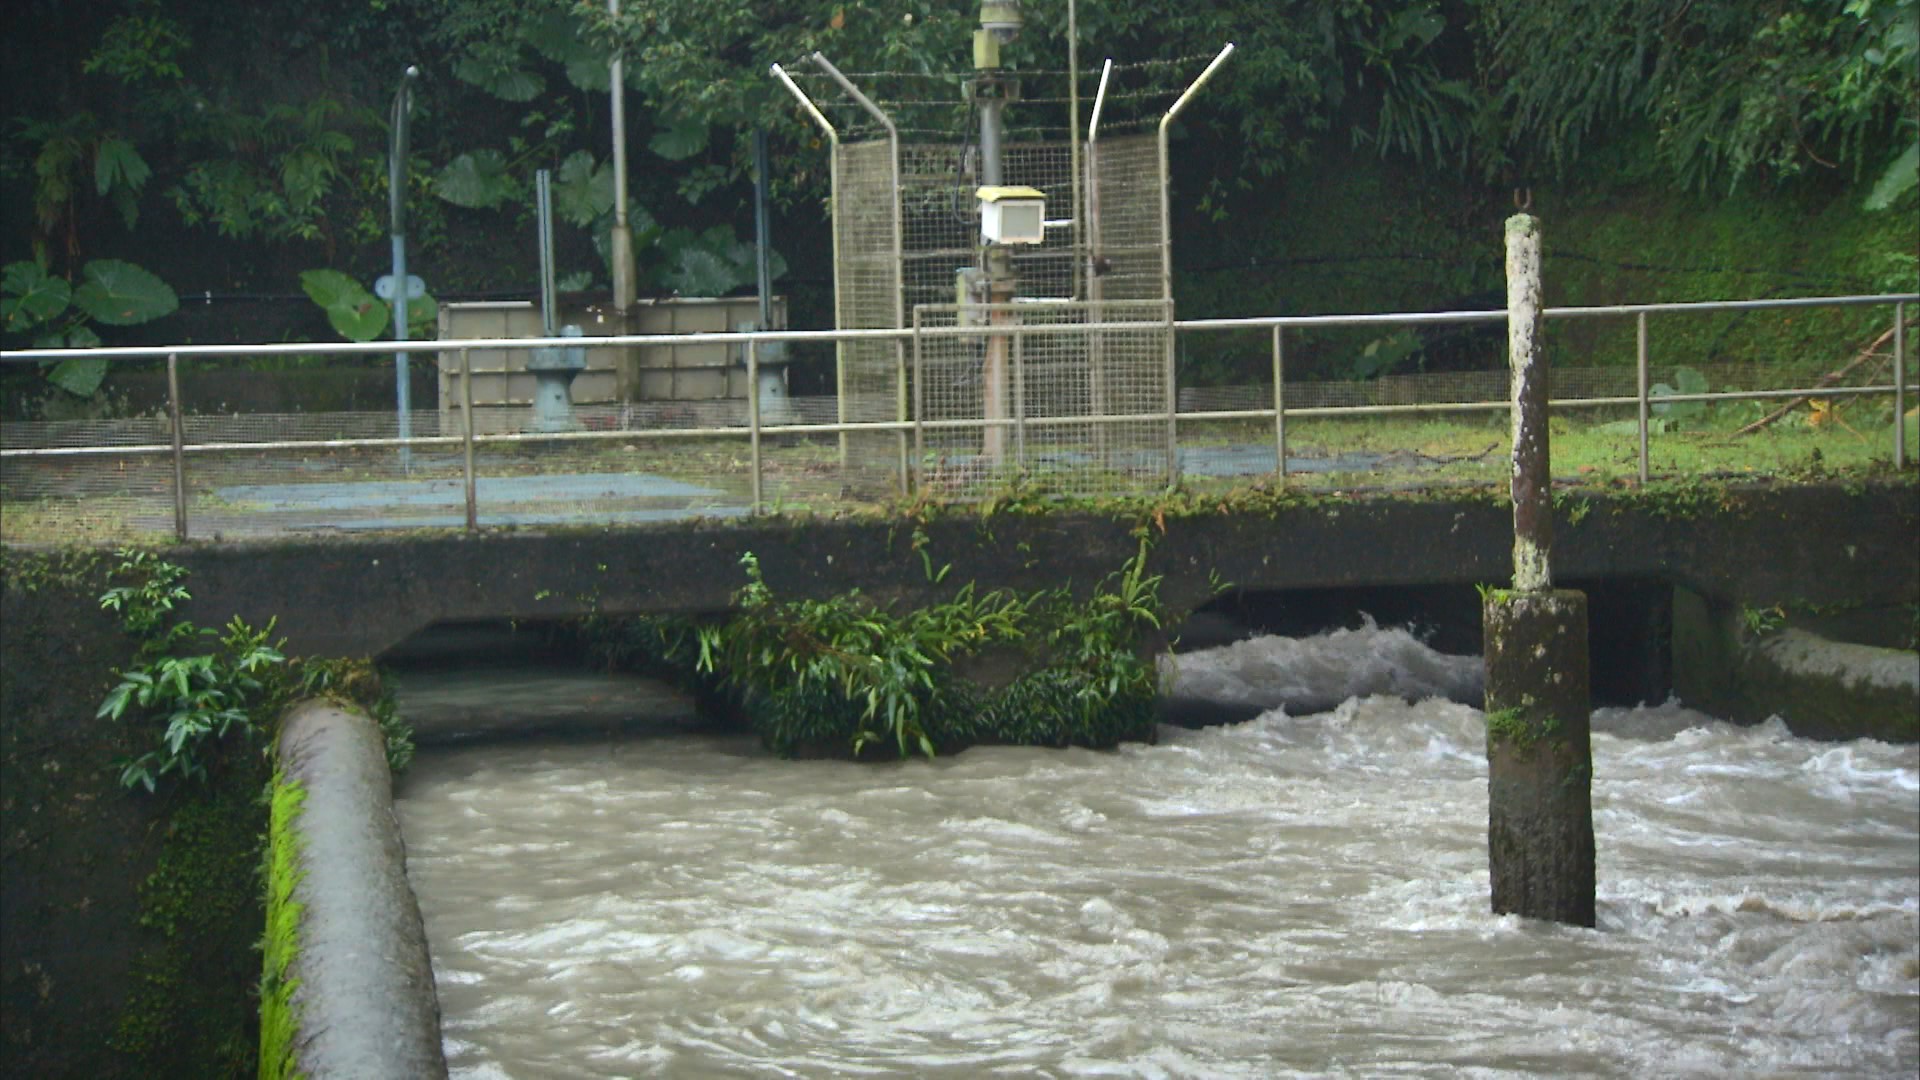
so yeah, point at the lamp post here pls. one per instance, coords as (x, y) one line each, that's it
(397, 205)
(1000, 23)
(620, 244)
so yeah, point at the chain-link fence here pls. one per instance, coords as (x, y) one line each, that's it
(1034, 390)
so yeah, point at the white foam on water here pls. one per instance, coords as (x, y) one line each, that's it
(1301, 894)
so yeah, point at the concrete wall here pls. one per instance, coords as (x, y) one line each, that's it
(1811, 547)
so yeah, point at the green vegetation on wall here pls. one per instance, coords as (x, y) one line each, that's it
(844, 676)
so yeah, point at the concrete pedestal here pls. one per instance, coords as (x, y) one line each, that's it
(1539, 761)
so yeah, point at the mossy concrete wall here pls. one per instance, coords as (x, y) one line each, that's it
(127, 921)
(1759, 544)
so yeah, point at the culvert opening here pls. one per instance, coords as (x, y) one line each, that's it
(1309, 649)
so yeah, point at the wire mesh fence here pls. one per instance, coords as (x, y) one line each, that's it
(1083, 411)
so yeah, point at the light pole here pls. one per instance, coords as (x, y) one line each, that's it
(620, 244)
(397, 205)
(1000, 22)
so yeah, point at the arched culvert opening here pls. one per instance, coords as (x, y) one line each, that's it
(1309, 649)
(519, 677)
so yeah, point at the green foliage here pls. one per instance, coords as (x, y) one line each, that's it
(843, 672)
(1728, 89)
(112, 292)
(121, 294)
(1674, 414)
(353, 312)
(476, 180)
(1761, 621)
(199, 701)
(358, 683)
(1516, 728)
(206, 692)
(200, 910)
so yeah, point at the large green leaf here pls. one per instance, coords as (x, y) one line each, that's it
(505, 83)
(121, 294)
(701, 271)
(354, 313)
(582, 192)
(115, 161)
(681, 140)
(29, 296)
(477, 180)
(1903, 174)
(79, 375)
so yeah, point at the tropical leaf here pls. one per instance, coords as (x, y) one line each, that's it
(582, 192)
(477, 180)
(30, 296)
(121, 294)
(115, 162)
(1899, 178)
(79, 375)
(505, 83)
(354, 313)
(680, 140)
(701, 271)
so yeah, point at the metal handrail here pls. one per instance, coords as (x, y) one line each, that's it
(756, 429)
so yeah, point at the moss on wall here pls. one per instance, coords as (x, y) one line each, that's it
(190, 1002)
(278, 1018)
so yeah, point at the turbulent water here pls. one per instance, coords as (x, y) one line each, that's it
(1292, 895)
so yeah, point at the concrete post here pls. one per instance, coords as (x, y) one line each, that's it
(1539, 760)
(1532, 477)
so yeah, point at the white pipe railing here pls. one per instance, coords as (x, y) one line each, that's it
(756, 430)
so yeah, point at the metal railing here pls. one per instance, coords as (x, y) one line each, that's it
(755, 432)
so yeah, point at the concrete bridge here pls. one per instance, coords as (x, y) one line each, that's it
(1686, 559)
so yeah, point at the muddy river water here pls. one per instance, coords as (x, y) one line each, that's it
(1292, 895)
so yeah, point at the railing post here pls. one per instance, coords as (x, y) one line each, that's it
(919, 411)
(466, 440)
(1538, 708)
(1019, 400)
(1640, 365)
(1899, 384)
(1173, 403)
(1279, 405)
(753, 419)
(179, 448)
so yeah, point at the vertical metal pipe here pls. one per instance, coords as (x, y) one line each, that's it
(1166, 206)
(753, 419)
(179, 448)
(543, 225)
(1279, 404)
(919, 409)
(1640, 367)
(899, 261)
(466, 441)
(1173, 405)
(1899, 384)
(625, 287)
(1073, 145)
(1096, 287)
(397, 211)
(762, 231)
(1019, 402)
